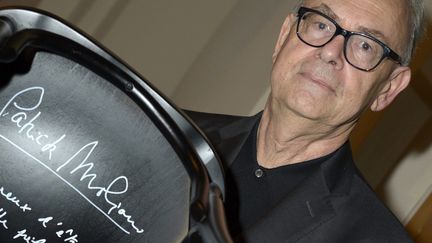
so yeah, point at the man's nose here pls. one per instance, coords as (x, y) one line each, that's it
(333, 52)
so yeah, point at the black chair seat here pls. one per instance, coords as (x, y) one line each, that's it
(90, 151)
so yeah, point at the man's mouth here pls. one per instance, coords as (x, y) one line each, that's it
(318, 80)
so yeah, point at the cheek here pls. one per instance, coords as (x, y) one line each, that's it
(288, 60)
(292, 48)
(361, 91)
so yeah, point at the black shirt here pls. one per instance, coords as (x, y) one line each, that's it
(253, 190)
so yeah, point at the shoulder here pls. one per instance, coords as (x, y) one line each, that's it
(211, 121)
(220, 126)
(377, 218)
(227, 133)
(362, 217)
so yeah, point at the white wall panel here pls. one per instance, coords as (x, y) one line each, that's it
(232, 72)
(162, 38)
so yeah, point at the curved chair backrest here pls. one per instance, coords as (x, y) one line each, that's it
(90, 151)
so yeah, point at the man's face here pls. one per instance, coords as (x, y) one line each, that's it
(318, 83)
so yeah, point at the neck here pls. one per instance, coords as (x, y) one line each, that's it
(285, 138)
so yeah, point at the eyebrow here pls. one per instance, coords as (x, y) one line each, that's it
(325, 9)
(372, 32)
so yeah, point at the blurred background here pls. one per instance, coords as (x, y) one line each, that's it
(215, 56)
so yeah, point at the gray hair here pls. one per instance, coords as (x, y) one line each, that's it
(416, 27)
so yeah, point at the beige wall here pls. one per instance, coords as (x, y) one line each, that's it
(216, 56)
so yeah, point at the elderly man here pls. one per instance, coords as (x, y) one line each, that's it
(290, 173)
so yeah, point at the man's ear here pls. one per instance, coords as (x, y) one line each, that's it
(398, 81)
(283, 35)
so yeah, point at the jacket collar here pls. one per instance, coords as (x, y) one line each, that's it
(230, 138)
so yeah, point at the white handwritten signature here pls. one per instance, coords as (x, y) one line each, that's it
(25, 126)
(20, 117)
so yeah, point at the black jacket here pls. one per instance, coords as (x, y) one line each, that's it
(334, 204)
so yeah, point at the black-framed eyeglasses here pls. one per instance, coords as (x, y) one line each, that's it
(362, 51)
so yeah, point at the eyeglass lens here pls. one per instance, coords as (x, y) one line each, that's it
(360, 51)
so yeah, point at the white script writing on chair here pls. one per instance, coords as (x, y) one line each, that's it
(18, 113)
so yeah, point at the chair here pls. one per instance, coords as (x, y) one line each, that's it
(90, 151)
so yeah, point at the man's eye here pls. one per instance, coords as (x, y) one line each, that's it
(322, 26)
(365, 46)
